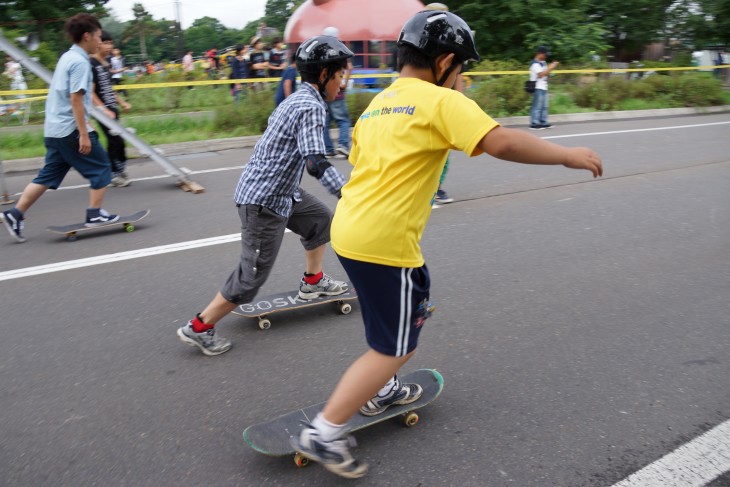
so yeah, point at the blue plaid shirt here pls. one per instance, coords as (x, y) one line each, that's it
(273, 174)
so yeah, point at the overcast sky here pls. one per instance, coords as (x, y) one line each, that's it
(231, 13)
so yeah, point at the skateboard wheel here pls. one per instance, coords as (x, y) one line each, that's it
(264, 324)
(410, 419)
(71, 237)
(129, 228)
(300, 460)
(345, 308)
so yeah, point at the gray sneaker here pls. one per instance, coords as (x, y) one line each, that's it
(334, 455)
(325, 287)
(120, 181)
(206, 341)
(399, 394)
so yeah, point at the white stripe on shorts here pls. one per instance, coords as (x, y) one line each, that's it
(406, 300)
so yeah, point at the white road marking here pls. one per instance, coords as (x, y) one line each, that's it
(119, 256)
(635, 130)
(134, 254)
(204, 171)
(693, 464)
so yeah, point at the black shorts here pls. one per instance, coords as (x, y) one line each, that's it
(394, 302)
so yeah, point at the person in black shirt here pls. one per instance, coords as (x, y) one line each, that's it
(258, 64)
(104, 96)
(277, 60)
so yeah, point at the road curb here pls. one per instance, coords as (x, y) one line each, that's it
(216, 145)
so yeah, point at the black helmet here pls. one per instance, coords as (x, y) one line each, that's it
(315, 53)
(434, 32)
(318, 53)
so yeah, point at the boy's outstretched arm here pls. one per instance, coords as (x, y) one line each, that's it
(518, 146)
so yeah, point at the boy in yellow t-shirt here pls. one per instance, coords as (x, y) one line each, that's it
(400, 145)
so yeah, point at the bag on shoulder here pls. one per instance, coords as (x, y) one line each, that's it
(530, 86)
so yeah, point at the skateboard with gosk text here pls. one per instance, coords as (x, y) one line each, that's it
(276, 303)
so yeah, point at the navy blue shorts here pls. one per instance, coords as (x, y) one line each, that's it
(63, 153)
(394, 302)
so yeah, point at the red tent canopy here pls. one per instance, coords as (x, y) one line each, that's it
(356, 20)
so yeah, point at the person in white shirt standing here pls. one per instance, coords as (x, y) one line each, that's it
(539, 72)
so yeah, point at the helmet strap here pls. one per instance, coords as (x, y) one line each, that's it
(444, 76)
(321, 84)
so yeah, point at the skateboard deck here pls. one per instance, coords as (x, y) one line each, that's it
(272, 437)
(127, 223)
(290, 300)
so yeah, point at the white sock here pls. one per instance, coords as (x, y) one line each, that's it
(388, 387)
(327, 430)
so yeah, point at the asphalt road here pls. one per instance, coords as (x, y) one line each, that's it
(582, 327)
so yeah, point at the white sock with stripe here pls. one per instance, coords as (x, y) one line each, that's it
(388, 387)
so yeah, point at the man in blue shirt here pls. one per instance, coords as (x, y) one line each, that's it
(270, 200)
(70, 140)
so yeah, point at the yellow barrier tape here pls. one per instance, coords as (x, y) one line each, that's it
(174, 84)
(21, 100)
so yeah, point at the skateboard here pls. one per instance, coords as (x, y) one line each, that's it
(272, 437)
(127, 223)
(275, 303)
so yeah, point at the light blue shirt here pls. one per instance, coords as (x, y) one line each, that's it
(72, 74)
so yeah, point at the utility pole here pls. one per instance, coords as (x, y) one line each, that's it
(178, 19)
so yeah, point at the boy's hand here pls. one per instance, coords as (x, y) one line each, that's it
(84, 144)
(584, 158)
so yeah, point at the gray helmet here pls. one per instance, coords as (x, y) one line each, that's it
(434, 32)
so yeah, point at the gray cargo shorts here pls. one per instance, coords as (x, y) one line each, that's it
(262, 232)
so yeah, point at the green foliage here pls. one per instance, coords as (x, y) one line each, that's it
(249, 116)
(357, 102)
(501, 96)
(678, 90)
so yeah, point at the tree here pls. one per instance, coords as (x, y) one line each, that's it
(631, 25)
(47, 17)
(508, 29)
(208, 33)
(277, 13)
(140, 26)
(710, 24)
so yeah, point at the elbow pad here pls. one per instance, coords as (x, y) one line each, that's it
(317, 164)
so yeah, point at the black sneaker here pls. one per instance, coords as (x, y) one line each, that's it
(547, 125)
(14, 226)
(442, 198)
(537, 127)
(97, 217)
(399, 394)
(343, 152)
(333, 455)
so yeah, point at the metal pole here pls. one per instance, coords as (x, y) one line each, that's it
(43, 73)
(3, 188)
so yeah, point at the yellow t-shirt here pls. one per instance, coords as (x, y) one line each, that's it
(400, 145)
